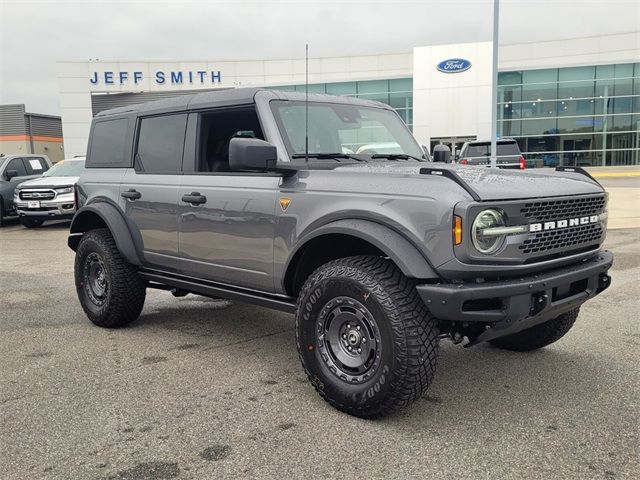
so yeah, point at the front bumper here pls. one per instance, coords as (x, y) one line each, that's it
(62, 208)
(512, 305)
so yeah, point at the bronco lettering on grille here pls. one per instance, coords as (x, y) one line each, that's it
(569, 222)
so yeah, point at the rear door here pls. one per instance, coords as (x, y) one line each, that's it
(149, 192)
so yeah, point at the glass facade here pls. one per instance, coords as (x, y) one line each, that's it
(574, 115)
(397, 93)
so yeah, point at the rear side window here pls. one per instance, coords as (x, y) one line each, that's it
(108, 144)
(160, 144)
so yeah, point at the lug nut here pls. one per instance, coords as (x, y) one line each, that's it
(348, 325)
(344, 335)
(359, 350)
(350, 348)
(364, 340)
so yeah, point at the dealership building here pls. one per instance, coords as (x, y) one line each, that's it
(567, 102)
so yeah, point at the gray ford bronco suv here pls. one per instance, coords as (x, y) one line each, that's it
(258, 196)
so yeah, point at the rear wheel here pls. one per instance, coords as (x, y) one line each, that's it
(31, 222)
(366, 340)
(539, 336)
(110, 290)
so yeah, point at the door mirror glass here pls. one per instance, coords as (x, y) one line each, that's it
(252, 154)
(9, 174)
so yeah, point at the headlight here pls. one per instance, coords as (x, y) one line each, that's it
(64, 190)
(485, 231)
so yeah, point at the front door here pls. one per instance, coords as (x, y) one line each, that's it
(226, 227)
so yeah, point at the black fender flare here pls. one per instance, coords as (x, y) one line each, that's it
(85, 219)
(400, 250)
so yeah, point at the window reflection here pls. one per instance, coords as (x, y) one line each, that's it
(573, 116)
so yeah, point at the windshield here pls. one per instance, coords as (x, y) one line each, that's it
(343, 128)
(66, 168)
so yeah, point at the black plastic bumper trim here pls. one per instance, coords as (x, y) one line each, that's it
(521, 298)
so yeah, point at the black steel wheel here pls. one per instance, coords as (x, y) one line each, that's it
(348, 339)
(110, 290)
(366, 340)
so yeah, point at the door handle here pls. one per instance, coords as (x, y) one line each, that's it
(131, 194)
(194, 198)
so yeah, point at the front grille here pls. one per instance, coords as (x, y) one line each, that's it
(37, 195)
(560, 209)
(565, 238)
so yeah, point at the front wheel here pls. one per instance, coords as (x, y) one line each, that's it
(110, 290)
(366, 340)
(539, 336)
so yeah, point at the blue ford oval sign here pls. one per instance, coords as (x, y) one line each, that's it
(454, 65)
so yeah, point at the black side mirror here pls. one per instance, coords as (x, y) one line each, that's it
(252, 154)
(11, 174)
(441, 153)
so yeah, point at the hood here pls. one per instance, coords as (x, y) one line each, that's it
(491, 184)
(49, 182)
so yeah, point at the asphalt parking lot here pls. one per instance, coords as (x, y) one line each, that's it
(201, 389)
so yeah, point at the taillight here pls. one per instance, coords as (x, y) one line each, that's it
(523, 163)
(464, 161)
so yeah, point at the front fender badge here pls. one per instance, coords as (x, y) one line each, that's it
(284, 203)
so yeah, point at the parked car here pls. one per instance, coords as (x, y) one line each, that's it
(479, 153)
(15, 169)
(50, 197)
(377, 255)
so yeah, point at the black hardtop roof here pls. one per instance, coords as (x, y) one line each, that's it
(229, 97)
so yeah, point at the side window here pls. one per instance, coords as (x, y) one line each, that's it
(216, 129)
(17, 165)
(160, 144)
(108, 144)
(35, 166)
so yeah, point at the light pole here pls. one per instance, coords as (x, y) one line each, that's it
(494, 86)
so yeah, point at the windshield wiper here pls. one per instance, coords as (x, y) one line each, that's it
(329, 156)
(396, 156)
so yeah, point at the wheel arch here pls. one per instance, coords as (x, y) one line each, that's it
(102, 214)
(346, 237)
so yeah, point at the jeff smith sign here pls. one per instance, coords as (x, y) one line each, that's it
(160, 77)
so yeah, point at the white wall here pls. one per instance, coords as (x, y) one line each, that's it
(452, 104)
(444, 104)
(75, 87)
(577, 52)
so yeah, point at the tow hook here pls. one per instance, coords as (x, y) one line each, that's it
(539, 302)
(179, 292)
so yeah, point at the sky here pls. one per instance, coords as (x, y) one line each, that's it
(36, 34)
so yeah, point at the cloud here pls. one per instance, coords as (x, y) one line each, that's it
(34, 35)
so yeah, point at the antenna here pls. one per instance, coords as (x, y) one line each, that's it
(306, 103)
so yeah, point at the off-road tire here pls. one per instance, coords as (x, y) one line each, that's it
(408, 333)
(124, 298)
(539, 336)
(30, 222)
